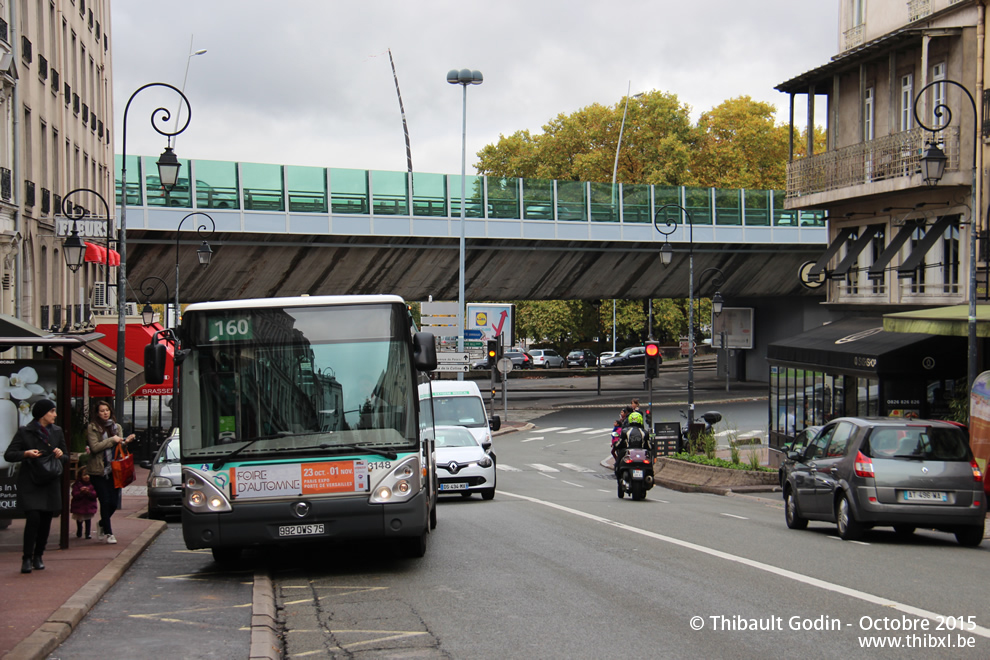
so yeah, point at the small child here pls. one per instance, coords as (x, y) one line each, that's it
(83, 506)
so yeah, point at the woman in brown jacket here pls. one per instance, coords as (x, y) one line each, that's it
(102, 435)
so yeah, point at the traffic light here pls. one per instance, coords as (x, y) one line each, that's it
(492, 353)
(653, 358)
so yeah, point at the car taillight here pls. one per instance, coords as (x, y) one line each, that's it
(864, 466)
(977, 473)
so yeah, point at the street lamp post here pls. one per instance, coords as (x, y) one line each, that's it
(933, 167)
(666, 254)
(74, 248)
(463, 77)
(168, 174)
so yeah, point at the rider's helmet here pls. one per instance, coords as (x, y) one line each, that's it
(636, 418)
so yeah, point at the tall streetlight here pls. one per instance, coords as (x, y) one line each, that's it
(464, 77)
(185, 76)
(666, 255)
(168, 174)
(933, 167)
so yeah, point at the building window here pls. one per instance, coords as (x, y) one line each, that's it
(938, 95)
(858, 12)
(868, 115)
(907, 101)
(877, 246)
(950, 259)
(918, 278)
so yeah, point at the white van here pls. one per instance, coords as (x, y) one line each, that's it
(457, 403)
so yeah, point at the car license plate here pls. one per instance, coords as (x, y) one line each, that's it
(457, 486)
(637, 474)
(925, 496)
(300, 530)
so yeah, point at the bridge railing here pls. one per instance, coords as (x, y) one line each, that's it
(205, 184)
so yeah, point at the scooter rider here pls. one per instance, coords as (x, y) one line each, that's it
(633, 436)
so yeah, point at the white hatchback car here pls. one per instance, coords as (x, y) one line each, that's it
(463, 464)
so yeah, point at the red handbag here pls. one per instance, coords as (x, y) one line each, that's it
(123, 467)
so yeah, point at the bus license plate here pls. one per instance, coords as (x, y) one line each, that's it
(300, 530)
(457, 486)
(925, 496)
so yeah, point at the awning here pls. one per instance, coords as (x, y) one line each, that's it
(852, 253)
(876, 271)
(136, 337)
(952, 321)
(831, 251)
(932, 236)
(862, 346)
(97, 254)
(100, 362)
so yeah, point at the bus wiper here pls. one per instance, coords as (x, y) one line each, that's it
(391, 455)
(219, 463)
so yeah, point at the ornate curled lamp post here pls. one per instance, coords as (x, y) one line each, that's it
(168, 174)
(74, 248)
(666, 254)
(933, 167)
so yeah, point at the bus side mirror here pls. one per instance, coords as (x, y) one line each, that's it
(154, 363)
(424, 351)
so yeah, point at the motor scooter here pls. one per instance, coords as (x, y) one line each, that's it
(634, 473)
(710, 419)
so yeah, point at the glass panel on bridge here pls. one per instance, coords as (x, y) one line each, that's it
(783, 217)
(728, 206)
(429, 194)
(636, 203)
(814, 218)
(757, 208)
(699, 202)
(473, 194)
(307, 189)
(134, 197)
(389, 192)
(572, 202)
(664, 195)
(349, 191)
(216, 185)
(604, 202)
(158, 196)
(503, 197)
(537, 199)
(262, 187)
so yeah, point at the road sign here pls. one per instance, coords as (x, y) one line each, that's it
(446, 366)
(474, 344)
(444, 357)
(473, 334)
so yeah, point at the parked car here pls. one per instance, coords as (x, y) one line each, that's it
(606, 356)
(634, 355)
(863, 472)
(520, 359)
(165, 480)
(464, 465)
(581, 358)
(547, 358)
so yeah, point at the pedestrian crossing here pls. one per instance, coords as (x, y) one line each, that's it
(546, 469)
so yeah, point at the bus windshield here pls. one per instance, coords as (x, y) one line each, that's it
(281, 381)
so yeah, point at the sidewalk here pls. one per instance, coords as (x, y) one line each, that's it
(42, 608)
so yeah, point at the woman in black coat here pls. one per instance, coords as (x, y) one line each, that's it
(40, 502)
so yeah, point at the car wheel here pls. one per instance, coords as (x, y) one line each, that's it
(226, 555)
(792, 515)
(849, 528)
(488, 494)
(969, 537)
(546, 365)
(433, 515)
(904, 530)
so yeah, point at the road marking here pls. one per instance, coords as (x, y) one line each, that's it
(567, 442)
(775, 570)
(602, 490)
(576, 468)
(543, 474)
(506, 468)
(734, 516)
(535, 437)
(553, 428)
(543, 468)
(837, 538)
(571, 483)
(579, 429)
(597, 431)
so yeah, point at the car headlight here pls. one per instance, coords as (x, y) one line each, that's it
(485, 462)
(200, 496)
(161, 482)
(400, 484)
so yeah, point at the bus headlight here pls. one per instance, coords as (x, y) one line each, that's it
(201, 496)
(401, 483)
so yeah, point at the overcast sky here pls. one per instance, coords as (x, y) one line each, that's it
(308, 82)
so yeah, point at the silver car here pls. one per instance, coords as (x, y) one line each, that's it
(165, 480)
(863, 472)
(547, 358)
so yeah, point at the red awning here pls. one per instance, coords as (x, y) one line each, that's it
(97, 254)
(136, 337)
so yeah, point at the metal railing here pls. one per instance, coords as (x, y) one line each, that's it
(897, 155)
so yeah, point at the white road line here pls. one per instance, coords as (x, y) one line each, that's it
(553, 428)
(567, 442)
(535, 437)
(597, 431)
(579, 429)
(734, 516)
(836, 538)
(506, 468)
(546, 475)
(576, 468)
(758, 565)
(543, 468)
(571, 483)
(602, 490)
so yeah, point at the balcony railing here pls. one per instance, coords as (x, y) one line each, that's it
(918, 9)
(891, 156)
(854, 36)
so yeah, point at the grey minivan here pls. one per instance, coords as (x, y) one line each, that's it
(863, 472)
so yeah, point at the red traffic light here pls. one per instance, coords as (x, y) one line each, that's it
(652, 350)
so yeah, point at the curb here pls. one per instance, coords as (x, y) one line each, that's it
(40, 643)
(525, 427)
(264, 625)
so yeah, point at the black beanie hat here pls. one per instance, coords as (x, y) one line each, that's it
(41, 408)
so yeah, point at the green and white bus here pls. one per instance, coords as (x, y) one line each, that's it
(300, 422)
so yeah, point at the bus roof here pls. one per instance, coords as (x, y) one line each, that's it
(294, 301)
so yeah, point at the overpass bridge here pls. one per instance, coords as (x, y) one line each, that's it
(289, 230)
